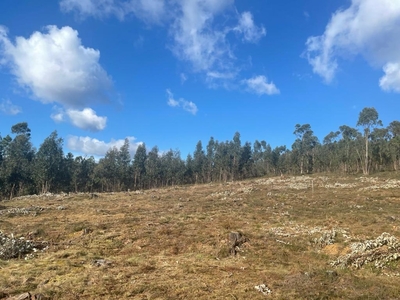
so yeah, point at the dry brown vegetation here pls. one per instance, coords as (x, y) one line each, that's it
(172, 243)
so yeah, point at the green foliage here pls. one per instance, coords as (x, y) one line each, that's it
(368, 119)
(303, 148)
(21, 128)
(49, 164)
(346, 150)
(139, 166)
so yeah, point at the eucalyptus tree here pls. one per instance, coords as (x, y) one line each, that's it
(17, 164)
(380, 138)
(4, 146)
(277, 160)
(49, 164)
(223, 161)
(210, 160)
(368, 119)
(68, 176)
(258, 159)
(267, 157)
(199, 163)
(189, 166)
(394, 143)
(107, 170)
(83, 174)
(348, 145)
(303, 147)
(173, 168)
(235, 152)
(139, 166)
(329, 152)
(246, 161)
(4, 154)
(153, 168)
(124, 165)
(100, 182)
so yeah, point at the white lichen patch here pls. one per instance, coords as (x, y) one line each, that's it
(380, 252)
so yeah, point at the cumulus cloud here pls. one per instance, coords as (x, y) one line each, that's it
(368, 28)
(56, 67)
(87, 119)
(151, 11)
(202, 40)
(391, 80)
(251, 32)
(260, 85)
(198, 40)
(57, 117)
(200, 30)
(91, 146)
(8, 108)
(186, 105)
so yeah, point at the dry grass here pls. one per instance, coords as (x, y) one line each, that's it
(172, 243)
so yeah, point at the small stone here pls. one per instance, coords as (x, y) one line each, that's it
(101, 262)
(263, 289)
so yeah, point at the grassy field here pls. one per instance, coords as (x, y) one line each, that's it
(172, 243)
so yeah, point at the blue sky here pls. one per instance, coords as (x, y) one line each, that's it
(173, 72)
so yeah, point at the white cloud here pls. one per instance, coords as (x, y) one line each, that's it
(260, 86)
(87, 119)
(198, 40)
(96, 8)
(57, 68)
(368, 28)
(8, 108)
(186, 105)
(201, 36)
(251, 32)
(189, 106)
(58, 115)
(151, 11)
(171, 101)
(183, 78)
(91, 146)
(391, 80)
(200, 30)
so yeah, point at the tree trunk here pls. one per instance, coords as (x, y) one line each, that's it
(366, 167)
(12, 191)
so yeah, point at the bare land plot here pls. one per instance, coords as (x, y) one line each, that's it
(309, 237)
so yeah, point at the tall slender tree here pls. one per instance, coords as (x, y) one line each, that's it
(303, 147)
(139, 166)
(199, 163)
(368, 119)
(18, 163)
(49, 166)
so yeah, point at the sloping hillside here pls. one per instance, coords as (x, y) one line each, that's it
(307, 237)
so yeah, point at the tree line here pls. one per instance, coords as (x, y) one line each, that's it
(25, 170)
